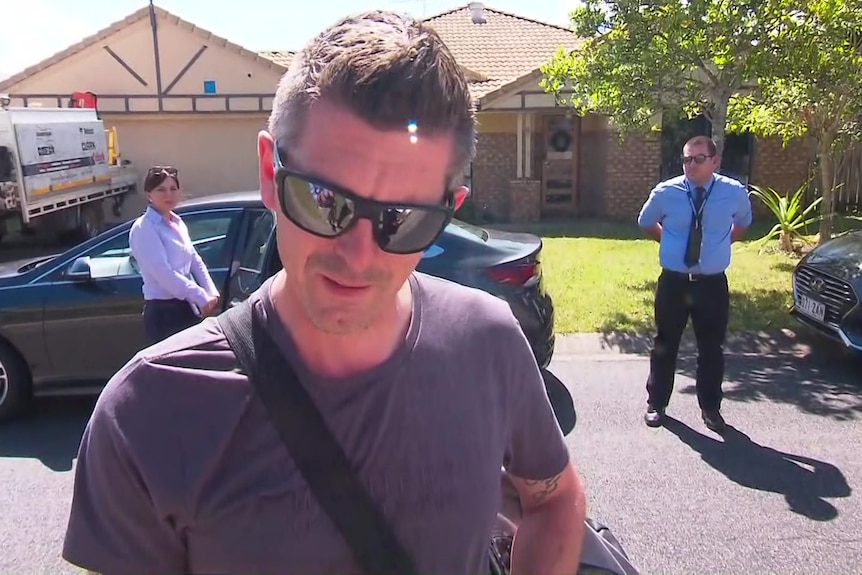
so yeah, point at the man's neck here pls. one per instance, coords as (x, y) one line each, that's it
(335, 355)
(701, 184)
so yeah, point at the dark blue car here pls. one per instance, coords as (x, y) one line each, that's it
(68, 322)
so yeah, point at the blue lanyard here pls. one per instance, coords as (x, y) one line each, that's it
(698, 213)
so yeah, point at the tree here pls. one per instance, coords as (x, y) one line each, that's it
(814, 88)
(640, 57)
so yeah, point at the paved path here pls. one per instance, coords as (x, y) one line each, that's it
(779, 495)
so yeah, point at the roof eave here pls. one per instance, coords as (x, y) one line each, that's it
(506, 89)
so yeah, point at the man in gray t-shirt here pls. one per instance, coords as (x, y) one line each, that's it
(429, 386)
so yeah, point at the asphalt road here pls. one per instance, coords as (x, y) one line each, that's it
(780, 493)
(777, 495)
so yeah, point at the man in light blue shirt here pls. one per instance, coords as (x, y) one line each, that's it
(695, 218)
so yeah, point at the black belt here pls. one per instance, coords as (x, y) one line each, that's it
(693, 277)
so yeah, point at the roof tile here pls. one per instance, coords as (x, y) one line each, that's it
(503, 48)
(280, 57)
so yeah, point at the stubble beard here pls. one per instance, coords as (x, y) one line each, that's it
(336, 320)
(347, 318)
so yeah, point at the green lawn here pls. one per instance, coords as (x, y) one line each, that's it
(602, 277)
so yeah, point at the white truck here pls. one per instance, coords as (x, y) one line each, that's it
(57, 167)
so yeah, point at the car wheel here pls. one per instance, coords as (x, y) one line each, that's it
(91, 221)
(15, 386)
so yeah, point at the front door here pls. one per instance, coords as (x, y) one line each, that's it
(559, 170)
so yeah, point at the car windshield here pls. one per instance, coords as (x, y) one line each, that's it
(464, 229)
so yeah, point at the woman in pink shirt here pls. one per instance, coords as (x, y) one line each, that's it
(178, 290)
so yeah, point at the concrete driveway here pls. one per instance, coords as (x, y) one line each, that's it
(778, 495)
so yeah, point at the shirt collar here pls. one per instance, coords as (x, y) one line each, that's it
(155, 216)
(691, 185)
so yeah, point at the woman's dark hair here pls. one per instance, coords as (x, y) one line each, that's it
(157, 174)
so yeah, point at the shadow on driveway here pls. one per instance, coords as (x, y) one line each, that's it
(50, 432)
(804, 482)
(816, 384)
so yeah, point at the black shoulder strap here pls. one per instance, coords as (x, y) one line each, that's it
(313, 448)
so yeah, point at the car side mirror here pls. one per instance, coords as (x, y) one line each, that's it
(80, 269)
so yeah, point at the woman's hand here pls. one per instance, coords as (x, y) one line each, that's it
(210, 306)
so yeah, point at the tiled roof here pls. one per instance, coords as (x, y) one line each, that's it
(504, 48)
(280, 57)
(495, 53)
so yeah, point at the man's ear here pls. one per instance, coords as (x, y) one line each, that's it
(460, 196)
(266, 169)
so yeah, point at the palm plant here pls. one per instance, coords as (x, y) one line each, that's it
(789, 212)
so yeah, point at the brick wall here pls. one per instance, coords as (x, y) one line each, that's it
(494, 167)
(633, 169)
(593, 168)
(526, 201)
(623, 174)
(779, 167)
(775, 166)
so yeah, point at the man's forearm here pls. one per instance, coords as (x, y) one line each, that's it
(737, 233)
(653, 232)
(549, 538)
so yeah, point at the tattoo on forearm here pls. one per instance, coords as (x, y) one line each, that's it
(545, 487)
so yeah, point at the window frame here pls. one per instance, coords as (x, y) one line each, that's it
(57, 273)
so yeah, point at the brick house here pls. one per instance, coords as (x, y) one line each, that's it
(538, 160)
(535, 160)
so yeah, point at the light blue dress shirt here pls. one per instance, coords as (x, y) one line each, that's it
(668, 204)
(170, 266)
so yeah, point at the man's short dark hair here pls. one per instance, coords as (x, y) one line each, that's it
(703, 141)
(387, 68)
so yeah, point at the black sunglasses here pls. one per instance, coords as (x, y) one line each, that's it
(158, 174)
(159, 170)
(328, 211)
(698, 159)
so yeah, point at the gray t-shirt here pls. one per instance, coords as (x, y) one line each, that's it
(180, 471)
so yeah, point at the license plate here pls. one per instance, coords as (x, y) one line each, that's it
(812, 308)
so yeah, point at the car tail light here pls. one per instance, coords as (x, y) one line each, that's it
(516, 273)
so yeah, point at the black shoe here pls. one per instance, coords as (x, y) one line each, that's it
(713, 421)
(654, 417)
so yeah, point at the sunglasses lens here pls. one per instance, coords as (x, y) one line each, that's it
(698, 159)
(408, 230)
(325, 212)
(315, 208)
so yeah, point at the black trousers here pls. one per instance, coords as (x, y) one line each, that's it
(707, 301)
(165, 317)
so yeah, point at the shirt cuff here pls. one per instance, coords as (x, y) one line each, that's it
(201, 298)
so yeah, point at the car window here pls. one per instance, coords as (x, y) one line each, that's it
(112, 259)
(255, 248)
(207, 230)
(250, 274)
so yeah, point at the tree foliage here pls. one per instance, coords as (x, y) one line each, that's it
(640, 57)
(813, 89)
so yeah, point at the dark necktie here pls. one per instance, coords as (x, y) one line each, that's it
(695, 233)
